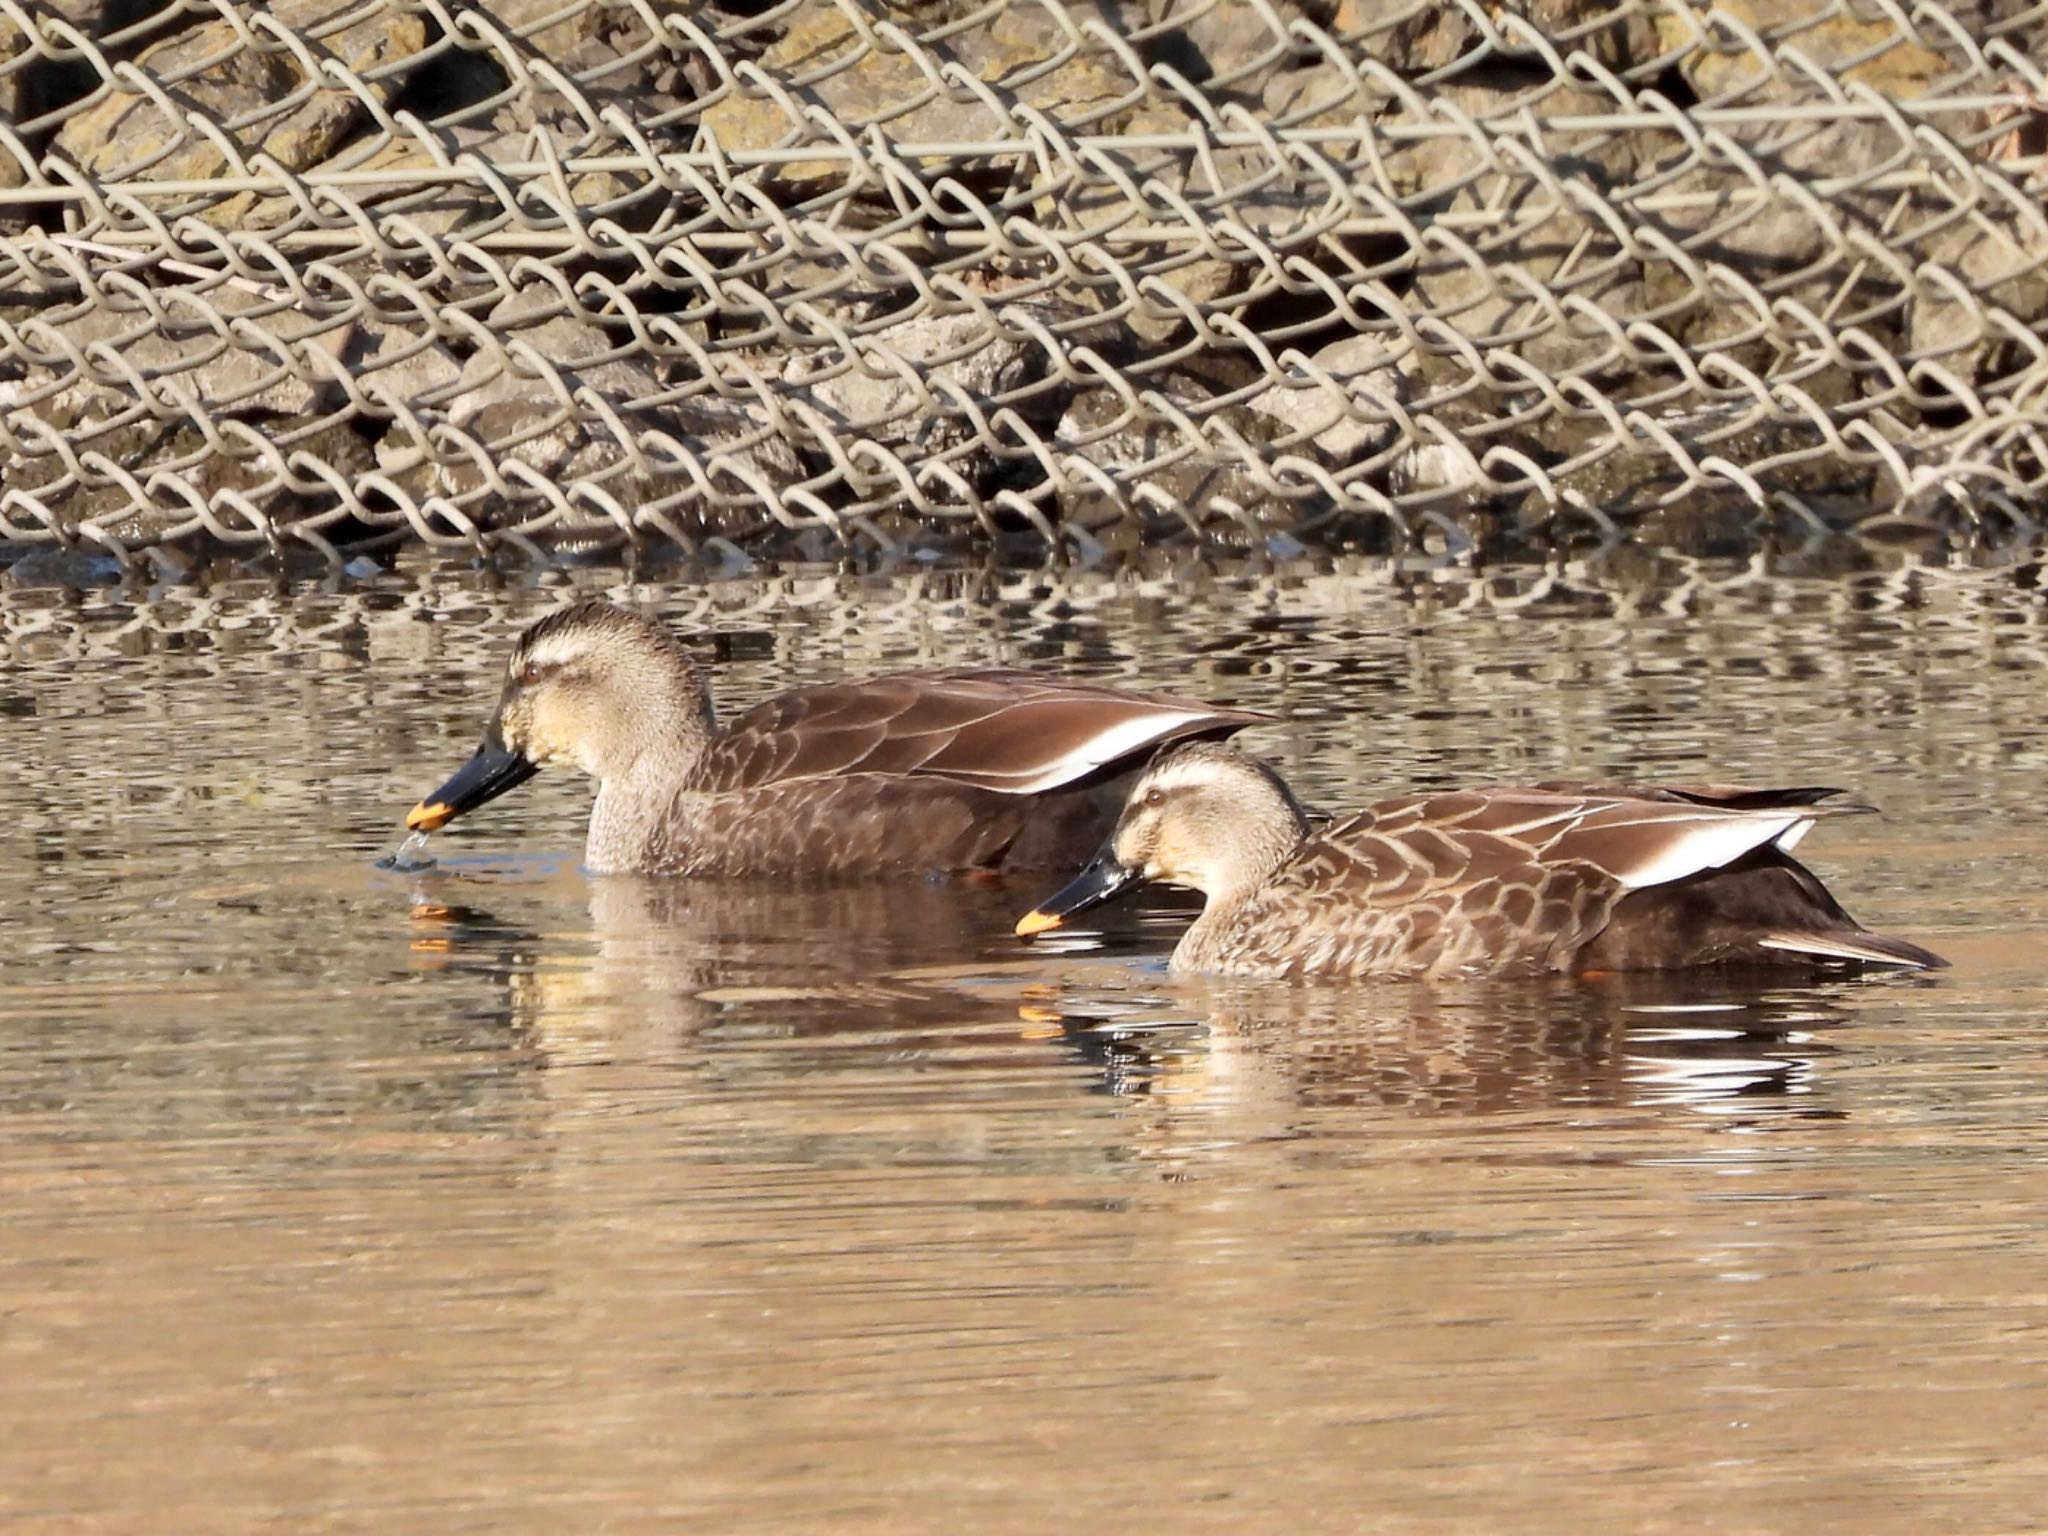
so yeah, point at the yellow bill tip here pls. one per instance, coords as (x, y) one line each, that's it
(427, 816)
(1032, 923)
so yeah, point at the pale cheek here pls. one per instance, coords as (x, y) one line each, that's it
(572, 747)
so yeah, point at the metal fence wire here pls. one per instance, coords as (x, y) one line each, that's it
(910, 274)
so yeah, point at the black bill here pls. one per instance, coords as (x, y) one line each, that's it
(1101, 880)
(494, 769)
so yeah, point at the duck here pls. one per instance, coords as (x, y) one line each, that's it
(1570, 877)
(961, 770)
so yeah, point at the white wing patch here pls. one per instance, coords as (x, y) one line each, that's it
(1789, 838)
(1105, 746)
(1687, 847)
(1832, 947)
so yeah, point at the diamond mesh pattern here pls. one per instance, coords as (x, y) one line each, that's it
(1077, 274)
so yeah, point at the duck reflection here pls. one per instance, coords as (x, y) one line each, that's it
(660, 961)
(763, 983)
(1727, 1045)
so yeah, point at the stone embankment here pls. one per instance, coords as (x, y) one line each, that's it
(793, 278)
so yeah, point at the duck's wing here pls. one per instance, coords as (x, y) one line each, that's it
(1661, 878)
(1012, 731)
(1634, 840)
(1732, 797)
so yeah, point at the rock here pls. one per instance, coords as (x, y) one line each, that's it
(1638, 481)
(1780, 235)
(497, 416)
(860, 84)
(1218, 486)
(218, 351)
(2002, 267)
(13, 101)
(873, 400)
(34, 86)
(118, 137)
(1519, 223)
(1419, 40)
(106, 424)
(1232, 38)
(401, 365)
(522, 17)
(1183, 268)
(1339, 424)
(470, 208)
(1855, 50)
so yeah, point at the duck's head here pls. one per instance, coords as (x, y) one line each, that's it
(1204, 816)
(592, 684)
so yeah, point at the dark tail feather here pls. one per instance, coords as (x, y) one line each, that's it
(1765, 908)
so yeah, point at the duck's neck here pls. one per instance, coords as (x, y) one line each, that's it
(1231, 885)
(639, 782)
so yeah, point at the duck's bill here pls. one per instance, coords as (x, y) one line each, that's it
(1097, 883)
(494, 769)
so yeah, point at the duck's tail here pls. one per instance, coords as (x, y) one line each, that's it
(1859, 946)
(1766, 908)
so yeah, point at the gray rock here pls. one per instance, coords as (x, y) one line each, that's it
(1370, 375)
(2001, 269)
(517, 418)
(106, 425)
(1164, 480)
(221, 351)
(1564, 251)
(883, 405)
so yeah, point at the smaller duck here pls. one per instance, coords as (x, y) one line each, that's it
(1567, 878)
(912, 773)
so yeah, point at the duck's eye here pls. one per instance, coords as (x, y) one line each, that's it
(528, 674)
(1155, 797)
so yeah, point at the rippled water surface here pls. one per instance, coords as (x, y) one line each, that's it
(497, 1198)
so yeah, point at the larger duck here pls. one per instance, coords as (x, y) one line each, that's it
(1569, 878)
(913, 773)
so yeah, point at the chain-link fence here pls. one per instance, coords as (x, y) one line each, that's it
(820, 275)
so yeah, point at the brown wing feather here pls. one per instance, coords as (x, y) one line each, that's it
(1425, 898)
(1559, 877)
(1495, 881)
(1007, 730)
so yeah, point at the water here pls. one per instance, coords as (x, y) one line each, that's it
(481, 1196)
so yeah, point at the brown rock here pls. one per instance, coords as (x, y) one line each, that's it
(13, 44)
(517, 17)
(861, 83)
(1887, 59)
(1420, 39)
(213, 76)
(1780, 235)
